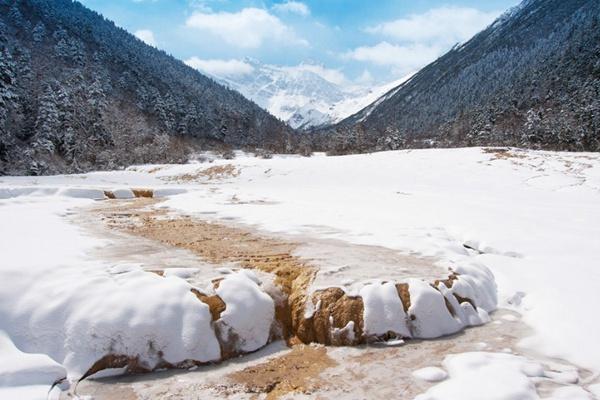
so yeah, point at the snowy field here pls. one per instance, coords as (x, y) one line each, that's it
(525, 223)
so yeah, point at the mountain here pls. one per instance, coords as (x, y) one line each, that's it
(300, 95)
(78, 93)
(531, 79)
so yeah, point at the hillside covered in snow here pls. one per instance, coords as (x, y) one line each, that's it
(79, 93)
(531, 79)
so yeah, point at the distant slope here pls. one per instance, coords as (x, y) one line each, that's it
(78, 93)
(299, 95)
(531, 79)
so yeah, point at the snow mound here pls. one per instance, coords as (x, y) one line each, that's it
(22, 370)
(384, 311)
(249, 311)
(430, 374)
(86, 315)
(493, 376)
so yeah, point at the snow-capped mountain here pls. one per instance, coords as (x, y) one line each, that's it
(301, 95)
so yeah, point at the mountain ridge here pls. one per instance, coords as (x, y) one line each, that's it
(79, 93)
(531, 79)
(299, 95)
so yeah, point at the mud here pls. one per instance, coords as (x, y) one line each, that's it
(295, 372)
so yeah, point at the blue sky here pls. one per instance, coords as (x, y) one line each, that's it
(351, 41)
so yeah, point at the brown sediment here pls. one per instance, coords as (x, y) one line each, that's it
(404, 294)
(109, 194)
(116, 361)
(295, 372)
(449, 282)
(211, 173)
(215, 304)
(333, 310)
(147, 193)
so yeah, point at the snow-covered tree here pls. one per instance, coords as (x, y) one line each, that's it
(39, 32)
(48, 122)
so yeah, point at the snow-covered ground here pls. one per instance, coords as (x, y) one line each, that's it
(533, 218)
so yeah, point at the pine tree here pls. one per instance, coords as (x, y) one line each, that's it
(98, 105)
(15, 15)
(39, 32)
(48, 122)
(7, 77)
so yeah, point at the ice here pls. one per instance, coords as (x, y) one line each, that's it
(543, 234)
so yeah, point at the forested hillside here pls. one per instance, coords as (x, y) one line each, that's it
(531, 79)
(78, 93)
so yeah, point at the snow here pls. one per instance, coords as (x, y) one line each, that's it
(428, 306)
(301, 96)
(493, 376)
(250, 312)
(535, 215)
(531, 221)
(26, 376)
(570, 393)
(430, 374)
(383, 310)
(77, 310)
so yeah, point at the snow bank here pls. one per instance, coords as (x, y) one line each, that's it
(77, 310)
(383, 310)
(26, 376)
(490, 376)
(249, 311)
(430, 374)
(58, 302)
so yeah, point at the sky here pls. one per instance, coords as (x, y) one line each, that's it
(345, 41)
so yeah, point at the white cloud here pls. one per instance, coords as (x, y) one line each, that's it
(146, 36)
(293, 7)
(365, 77)
(403, 58)
(446, 25)
(248, 28)
(221, 68)
(414, 41)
